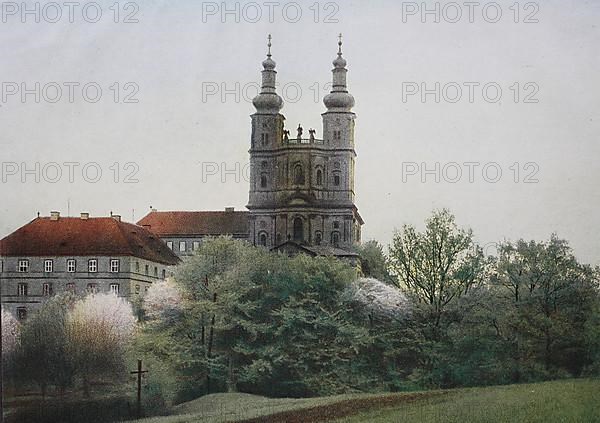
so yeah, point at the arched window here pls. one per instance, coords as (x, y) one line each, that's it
(319, 177)
(336, 179)
(318, 238)
(298, 229)
(298, 174)
(335, 239)
(263, 180)
(262, 239)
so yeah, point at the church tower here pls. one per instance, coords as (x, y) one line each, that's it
(302, 187)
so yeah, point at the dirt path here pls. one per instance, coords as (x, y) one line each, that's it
(323, 413)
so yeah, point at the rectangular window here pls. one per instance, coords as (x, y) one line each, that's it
(92, 288)
(114, 288)
(137, 266)
(182, 246)
(47, 289)
(146, 270)
(164, 274)
(71, 287)
(22, 289)
(156, 271)
(48, 266)
(196, 245)
(92, 265)
(170, 245)
(71, 265)
(137, 289)
(114, 265)
(23, 266)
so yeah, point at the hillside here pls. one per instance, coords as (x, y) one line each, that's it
(558, 401)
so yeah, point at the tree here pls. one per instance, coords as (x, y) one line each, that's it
(373, 262)
(42, 356)
(99, 328)
(10, 334)
(438, 265)
(163, 301)
(553, 297)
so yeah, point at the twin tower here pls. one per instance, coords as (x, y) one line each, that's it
(301, 186)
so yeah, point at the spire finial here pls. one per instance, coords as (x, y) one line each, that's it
(340, 44)
(269, 45)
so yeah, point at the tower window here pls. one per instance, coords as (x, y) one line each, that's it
(336, 179)
(298, 174)
(336, 225)
(263, 180)
(298, 229)
(337, 135)
(319, 177)
(264, 138)
(335, 239)
(262, 239)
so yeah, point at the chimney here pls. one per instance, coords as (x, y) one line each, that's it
(54, 215)
(117, 217)
(229, 209)
(85, 216)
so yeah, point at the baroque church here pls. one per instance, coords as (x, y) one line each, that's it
(301, 187)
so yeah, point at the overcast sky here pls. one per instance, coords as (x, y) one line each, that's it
(541, 131)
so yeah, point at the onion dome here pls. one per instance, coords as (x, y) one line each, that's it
(268, 102)
(339, 100)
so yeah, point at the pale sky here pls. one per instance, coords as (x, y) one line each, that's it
(173, 55)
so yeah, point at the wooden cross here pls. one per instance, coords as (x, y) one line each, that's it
(139, 373)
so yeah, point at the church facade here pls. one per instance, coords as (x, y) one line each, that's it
(302, 187)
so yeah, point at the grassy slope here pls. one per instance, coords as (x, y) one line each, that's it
(560, 401)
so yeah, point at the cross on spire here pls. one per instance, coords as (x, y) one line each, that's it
(269, 45)
(340, 43)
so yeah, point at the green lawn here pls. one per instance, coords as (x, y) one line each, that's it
(560, 401)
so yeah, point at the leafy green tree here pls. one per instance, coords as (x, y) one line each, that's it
(438, 265)
(373, 262)
(553, 297)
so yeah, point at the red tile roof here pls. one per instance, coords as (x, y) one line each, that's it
(96, 236)
(214, 223)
